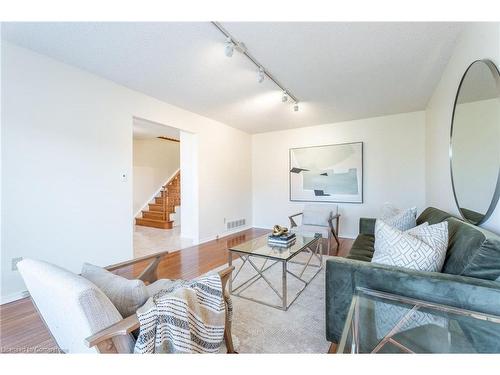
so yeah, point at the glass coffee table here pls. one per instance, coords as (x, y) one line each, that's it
(379, 322)
(248, 252)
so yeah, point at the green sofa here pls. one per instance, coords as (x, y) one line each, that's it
(470, 278)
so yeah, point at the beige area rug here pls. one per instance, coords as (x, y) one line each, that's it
(262, 329)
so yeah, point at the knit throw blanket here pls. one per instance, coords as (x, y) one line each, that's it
(187, 317)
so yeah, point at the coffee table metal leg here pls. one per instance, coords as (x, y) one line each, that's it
(285, 307)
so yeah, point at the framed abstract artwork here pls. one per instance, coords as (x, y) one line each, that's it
(331, 173)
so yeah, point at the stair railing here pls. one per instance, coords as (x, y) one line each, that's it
(165, 196)
(164, 201)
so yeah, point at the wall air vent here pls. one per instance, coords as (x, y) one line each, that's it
(235, 223)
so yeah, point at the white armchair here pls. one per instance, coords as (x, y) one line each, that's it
(72, 307)
(318, 219)
(81, 317)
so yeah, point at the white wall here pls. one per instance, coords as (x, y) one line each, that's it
(478, 41)
(67, 139)
(393, 167)
(189, 185)
(154, 160)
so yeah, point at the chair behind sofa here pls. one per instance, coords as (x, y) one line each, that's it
(318, 218)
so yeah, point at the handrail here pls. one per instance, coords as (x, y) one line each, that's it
(164, 196)
(174, 176)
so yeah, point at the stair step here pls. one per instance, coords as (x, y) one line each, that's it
(170, 198)
(169, 206)
(154, 223)
(153, 215)
(170, 192)
(155, 207)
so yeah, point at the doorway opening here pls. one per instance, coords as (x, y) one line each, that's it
(158, 190)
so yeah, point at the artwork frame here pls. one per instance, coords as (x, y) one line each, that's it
(345, 187)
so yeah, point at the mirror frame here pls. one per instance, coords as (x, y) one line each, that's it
(496, 195)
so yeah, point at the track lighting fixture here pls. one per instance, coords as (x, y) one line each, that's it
(262, 75)
(284, 98)
(233, 44)
(229, 49)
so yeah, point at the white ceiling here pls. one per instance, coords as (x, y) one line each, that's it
(144, 129)
(339, 71)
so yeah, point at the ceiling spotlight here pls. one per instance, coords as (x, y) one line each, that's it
(229, 49)
(262, 75)
(241, 47)
(232, 44)
(284, 98)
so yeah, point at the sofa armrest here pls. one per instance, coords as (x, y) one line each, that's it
(343, 276)
(367, 226)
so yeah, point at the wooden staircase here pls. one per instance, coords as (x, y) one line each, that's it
(158, 214)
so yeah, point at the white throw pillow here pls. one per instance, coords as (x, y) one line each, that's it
(127, 295)
(421, 248)
(400, 219)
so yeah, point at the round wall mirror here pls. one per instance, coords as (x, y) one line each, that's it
(475, 142)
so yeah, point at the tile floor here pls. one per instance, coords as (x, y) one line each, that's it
(151, 240)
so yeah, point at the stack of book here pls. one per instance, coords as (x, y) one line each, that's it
(285, 240)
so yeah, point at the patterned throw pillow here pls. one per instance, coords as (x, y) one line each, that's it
(400, 219)
(421, 248)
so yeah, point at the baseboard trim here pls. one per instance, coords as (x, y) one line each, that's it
(14, 297)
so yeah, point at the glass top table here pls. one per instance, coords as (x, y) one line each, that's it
(260, 247)
(269, 256)
(379, 322)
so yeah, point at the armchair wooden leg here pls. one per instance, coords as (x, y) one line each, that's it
(228, 339)
(333, 348)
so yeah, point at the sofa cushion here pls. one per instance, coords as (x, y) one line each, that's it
(362, 248)
(127, 295)
(432, 216)
(472, 251)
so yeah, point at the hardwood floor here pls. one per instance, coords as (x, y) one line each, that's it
(22, 330)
